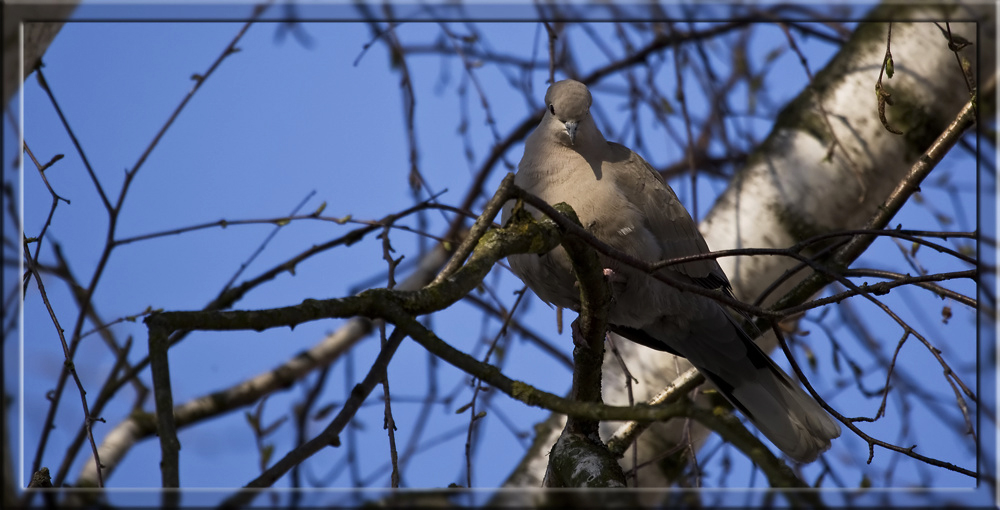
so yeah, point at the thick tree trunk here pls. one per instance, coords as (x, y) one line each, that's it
(41, 23)
(791, 191)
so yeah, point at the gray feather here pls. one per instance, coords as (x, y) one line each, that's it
(622, 201)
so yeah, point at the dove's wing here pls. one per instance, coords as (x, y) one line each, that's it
(621, 200)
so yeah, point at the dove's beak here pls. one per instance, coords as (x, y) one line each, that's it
(571, 126)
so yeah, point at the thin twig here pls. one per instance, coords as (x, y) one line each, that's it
(113, 217)
(68, 365)
(849, 423)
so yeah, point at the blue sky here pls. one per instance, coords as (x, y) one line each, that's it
(279, 122)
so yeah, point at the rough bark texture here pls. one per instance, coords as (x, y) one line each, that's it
(791, 191)
(41, 22)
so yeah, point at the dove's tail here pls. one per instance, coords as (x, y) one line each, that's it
(776, 405)
(753, 383)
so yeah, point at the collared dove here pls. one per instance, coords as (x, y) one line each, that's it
(622, 201)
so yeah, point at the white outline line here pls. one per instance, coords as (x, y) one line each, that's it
(20, 231)
(996, 324)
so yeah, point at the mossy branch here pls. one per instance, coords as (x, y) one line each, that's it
(779, 475)
(401, 308)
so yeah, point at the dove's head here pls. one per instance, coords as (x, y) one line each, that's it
(568, 102)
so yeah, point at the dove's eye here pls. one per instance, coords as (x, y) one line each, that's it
(552, 109)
